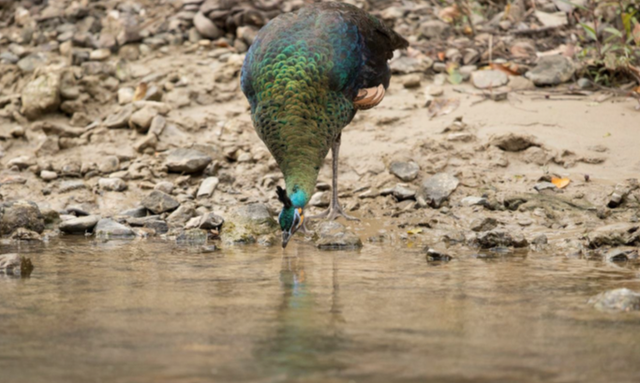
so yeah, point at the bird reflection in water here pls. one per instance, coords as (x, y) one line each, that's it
(307, 336)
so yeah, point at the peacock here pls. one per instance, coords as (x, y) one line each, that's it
(306, 75)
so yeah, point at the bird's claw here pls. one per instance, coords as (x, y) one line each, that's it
(333, 212)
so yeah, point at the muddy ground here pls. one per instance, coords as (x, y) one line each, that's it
(435, 165)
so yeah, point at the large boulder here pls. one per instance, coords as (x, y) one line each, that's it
(20, 214)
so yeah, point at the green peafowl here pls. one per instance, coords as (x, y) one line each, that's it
(305, 76)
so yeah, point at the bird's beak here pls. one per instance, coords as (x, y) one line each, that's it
(286, 236)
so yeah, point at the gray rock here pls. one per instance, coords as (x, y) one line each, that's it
(41, 95)
(437, 189)
(30, 63)
(119, 119)
(100, 54)
(79, 225)
(71, 185)
(187, 161)
(9, 58)
(616, 300)
(474, 201)
(437, 256)
(485, 79)
(109, 164)
(617, 234)
(157, 225)
(125, 95)
(192, 237)
(182, 214)
(136, 212)
(209, 221)
(108, 228)
(22, 234)
(551, 70)
(141, 119)
(112, 184)
(20, 214)
(247, 224)
(406, 171)
(320, 199)
(334, 235)
(159, 202)
(434, 29)
(406, 65)
(483, 224)
(540, 186)
(501, 238)
(164, 186)
(621, 255)
(540, 240)
(411, 81)
(513, 142)
(206, 27)
(48, 147)
(15, 264)
(401, 192)
(207, 187)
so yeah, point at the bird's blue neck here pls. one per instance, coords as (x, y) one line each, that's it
(299, 198)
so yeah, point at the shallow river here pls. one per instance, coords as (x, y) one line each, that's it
(156, 312)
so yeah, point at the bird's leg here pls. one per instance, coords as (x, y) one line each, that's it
(334, 208)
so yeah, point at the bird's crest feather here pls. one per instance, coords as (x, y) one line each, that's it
(282, 197)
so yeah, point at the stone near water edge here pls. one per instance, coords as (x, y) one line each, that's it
(616, 300)
(22, 234)
(617, 234)
(334, 235)
(485, 79)
(192, 237)
(41, 95)
(20, 214)
(15, 264)
(621, 255)
(405, 171)
(159, 202)
(436, 256)
(182, 214)
(483, 224)
(551, 70)
(209, 221)
(112, 184)
(136, 212)
(207, 187)
(248, 224)
(437, 188)
(187, 161)
(108, 228)
(401, 192)
(501, 238)
(80, 225)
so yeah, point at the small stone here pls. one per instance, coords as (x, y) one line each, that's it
(405, 171)
(15, 264)
(411, 81)
(125, 95)
(71, 185)
(100, 54)
(41, 95)
(617, 234)
(436, 256)
(164, 186)
(119, 119)
(540, 240)
(474, 201)
(540, 186)
(621, 255)
(616, 300)
(400, 192)
(520, 83)
(192, 237)
(461, 137)
(483, 224)
(159, 202)
(136, 212)
(22, 234)
(20, 214)
(48, 147)
(207, 187)
(513, 142)
(107, 229)
(584, 83)
(187, 161)
(485, 79)
(247, 224)
(501, 238)
(112, 184)
(333, 235)
(109, 164)
(551, 70)
(208, 221)
(181, 215)
(437, 189)
(320, 199)
(206, 27)
(435, 90)
(48, 175)
(434, 29)
(141, 120)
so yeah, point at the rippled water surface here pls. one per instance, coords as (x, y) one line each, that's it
(155, 312)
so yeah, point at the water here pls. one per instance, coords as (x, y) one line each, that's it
(155, 312)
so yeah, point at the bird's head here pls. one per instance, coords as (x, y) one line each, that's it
(290, 217)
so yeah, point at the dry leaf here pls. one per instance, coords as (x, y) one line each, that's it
(442, 106)
(507, 68)
(560, 183)
(449, 14)
(636, 34)
(141, 91)
(441, 56)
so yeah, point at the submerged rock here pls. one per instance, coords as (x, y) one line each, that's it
(20, 214)
(436, 256)
(192, 237)
(15, 264)
(334, 235)
(501, 238)
(437, 189)
(247, 224)
(616, 300)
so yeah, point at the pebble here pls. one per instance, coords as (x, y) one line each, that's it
(513, 142)
(437, 188)
(483, 224)
(164, 186)
(320, 199)
(125, 95)
(48, 175)
(136, 212)
(551, 70)
(112, 184)
(119, 119)
(474, 201)
(80, 225)
(501, 238)
(108, 228)
(540, 186)
(405, 171)
(206, 27)
(41, 95)
(434, 29)
(621, 255)
(401, 192)
(109, 164)
(485, 79)
(182, 214)
(70, 185)
(412, 81)
(187, 161)
(207, 187)
(159, 202)
(100, 54)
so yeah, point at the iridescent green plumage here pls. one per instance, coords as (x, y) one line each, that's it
(301, 76)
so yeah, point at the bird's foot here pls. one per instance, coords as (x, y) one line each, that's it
(333, 212)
